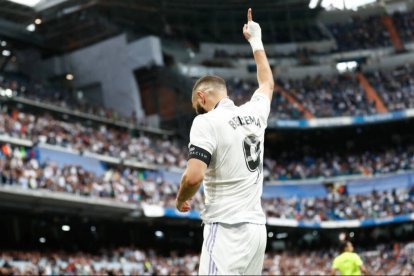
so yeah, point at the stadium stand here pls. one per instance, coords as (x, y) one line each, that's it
(395, 87)
(404, 22)
(169, 153)
(60, 97)
(20, 167)
(360, 33)
(396, 259)
(105, 140)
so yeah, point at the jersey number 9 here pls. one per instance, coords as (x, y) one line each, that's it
(252, 151)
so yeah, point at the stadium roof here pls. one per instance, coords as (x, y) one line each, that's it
(71, 24)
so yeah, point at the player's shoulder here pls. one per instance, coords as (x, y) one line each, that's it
(343, 255)
(202, 120)
(257, 100)
(355, 255)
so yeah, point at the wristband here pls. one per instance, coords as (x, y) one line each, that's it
(256, 44)
(255, 39)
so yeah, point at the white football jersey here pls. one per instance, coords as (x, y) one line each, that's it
(230, 140)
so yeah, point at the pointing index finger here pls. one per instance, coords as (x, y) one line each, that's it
(249, 15)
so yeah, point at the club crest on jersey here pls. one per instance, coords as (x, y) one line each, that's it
(244, 120)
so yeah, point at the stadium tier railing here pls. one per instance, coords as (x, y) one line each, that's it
(20, 198)
(104, 158)
(174, 174)
(272, 123)
(16, 197)
(157, 211)
(340, 121)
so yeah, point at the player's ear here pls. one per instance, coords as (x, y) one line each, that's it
(201, 95)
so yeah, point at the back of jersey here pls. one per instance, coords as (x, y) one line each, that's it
(233, 137)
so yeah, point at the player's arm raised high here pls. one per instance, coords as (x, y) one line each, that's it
(253, 34)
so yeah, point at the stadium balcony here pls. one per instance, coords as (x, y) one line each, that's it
(346, 36)
(37, 96)
(320, 96)
(29, 178)
(359, 84)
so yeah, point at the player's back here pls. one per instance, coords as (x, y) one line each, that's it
(234, 178)
(348, 263)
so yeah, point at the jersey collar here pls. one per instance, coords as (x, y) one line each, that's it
(222, 100)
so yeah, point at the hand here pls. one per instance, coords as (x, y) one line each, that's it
(251, 30)
(182, 206)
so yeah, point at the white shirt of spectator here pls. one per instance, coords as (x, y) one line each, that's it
(234, 136)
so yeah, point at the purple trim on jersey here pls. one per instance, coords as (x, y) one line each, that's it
(212, 266)
(210, 236)
(208, 240)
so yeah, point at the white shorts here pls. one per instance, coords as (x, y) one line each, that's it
(233, 249)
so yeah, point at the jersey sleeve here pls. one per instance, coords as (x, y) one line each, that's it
(358, 260)
(335, 264)
(202, 140)
(260, 104)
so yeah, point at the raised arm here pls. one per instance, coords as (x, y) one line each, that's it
(253, 34)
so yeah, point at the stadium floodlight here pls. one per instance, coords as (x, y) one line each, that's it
(159, 234)
(8, 93)
(65, 228)
(313, 4)
(30, 3)
(346, 66)
(31, 27)
(6, 53)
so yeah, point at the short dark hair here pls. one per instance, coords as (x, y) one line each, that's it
(343, 245)
(212, 80)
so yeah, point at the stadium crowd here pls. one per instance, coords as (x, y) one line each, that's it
(337, 206)
(61, 97)
(322, 96)
(383, 160)
(337, 95)
(395, 86)
(105, 141)
(393, 259)
(19, 167)
(404, 23)
(360, 33)
(169, 153)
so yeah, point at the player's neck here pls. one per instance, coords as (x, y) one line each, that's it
(219, 100)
